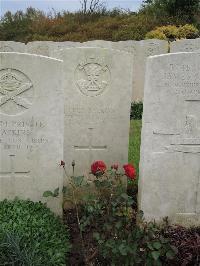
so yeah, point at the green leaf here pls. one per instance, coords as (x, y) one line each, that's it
(96, 235)
(118, 224)
(124, 196)
(155, 255)
(97, 183)
(122, 249)
(78, 180)
(174, 249)
(64, 190)
(47, 194)
(149, 245)
(56, 192)
(157, 245)
(170, 254)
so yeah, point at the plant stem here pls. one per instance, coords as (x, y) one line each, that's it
(77, 215)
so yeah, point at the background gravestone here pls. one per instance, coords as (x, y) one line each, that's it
(47, 48)
(39, 47)
(187, 45)
(31, 127)
(62, 45)
(170, 153)
(97, 84)
(140, 51)
(9, 46)
(145, 49)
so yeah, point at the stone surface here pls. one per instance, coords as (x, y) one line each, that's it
(40, 47)
(31, 127)
(47, 48)
(9, 46)
(140, 50)
(98, 43)
(170, 153)
(97, 84)
(145, 49)
(187, 45)
(62, 45)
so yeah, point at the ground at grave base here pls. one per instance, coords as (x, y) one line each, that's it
(187, 241)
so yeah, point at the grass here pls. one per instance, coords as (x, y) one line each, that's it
(134, 143)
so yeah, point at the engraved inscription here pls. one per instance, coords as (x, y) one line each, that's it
(79, 112)
(92, 77)
(21, 135)
(16, 92)
(182, 78)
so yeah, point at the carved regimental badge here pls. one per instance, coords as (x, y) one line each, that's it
(16, 92)
(92, 77)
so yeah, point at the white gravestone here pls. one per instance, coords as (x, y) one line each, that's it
(98, 43)
(170, 153)
(10, 46)
(186, 45)
(31, 127)
(97, 84)
(62, 45)
(144, 49)
(140, 51)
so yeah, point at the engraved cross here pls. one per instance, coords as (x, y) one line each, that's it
(12, 172)
(90, 147)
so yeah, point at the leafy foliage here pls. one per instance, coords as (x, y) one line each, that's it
(30, 231)
(184, 9)
(107, 211)
(172, 32)
(13, 251)
(111, 25)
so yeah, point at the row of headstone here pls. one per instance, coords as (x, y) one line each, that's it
(169, 184)
(96, 106)
(76, 109)
(140, 50)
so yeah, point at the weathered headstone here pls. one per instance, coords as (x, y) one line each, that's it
(187, 45)
(10, 46)
(170, 152)
(97, 85)
(55, 46)
(39, 47)
(140, 51)
(145, 49)
(31, 127)
(98, 43)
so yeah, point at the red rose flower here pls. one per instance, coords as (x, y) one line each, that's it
(98, 168)
(130, 171)
(115, 166)
(62, 163)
